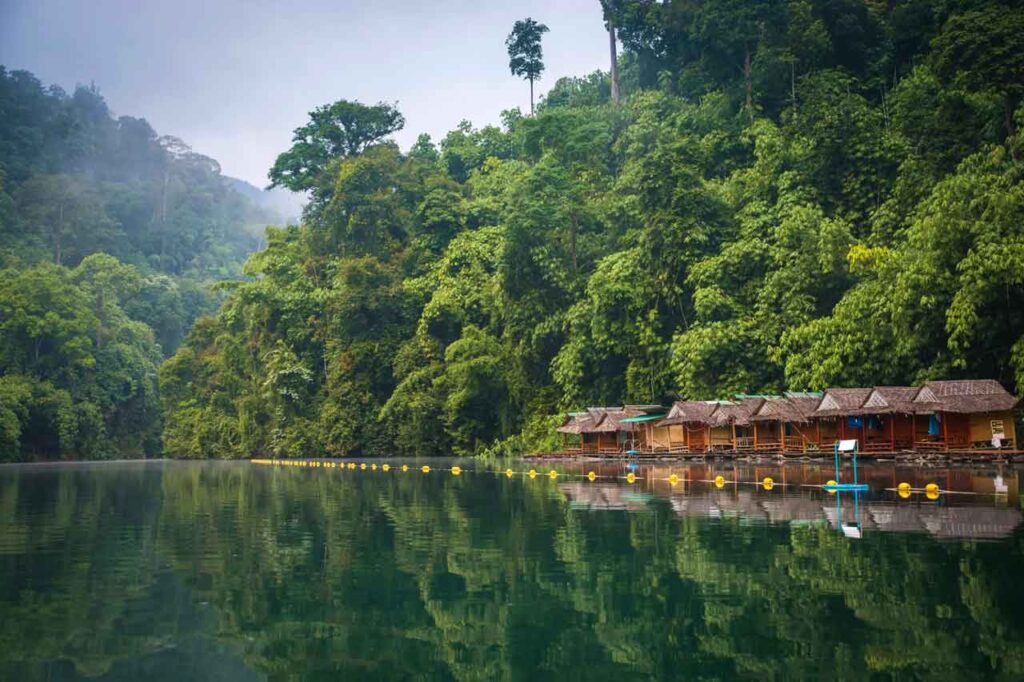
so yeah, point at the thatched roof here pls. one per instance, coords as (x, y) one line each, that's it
(965, 396)
(689, 412)
(738, 413)
(575, 423)
(607, 419)
(893, 400)
(787, 409)
(841, 402)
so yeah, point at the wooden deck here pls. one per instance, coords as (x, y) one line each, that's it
(793, 450)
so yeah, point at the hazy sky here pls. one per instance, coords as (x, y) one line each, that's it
(233, 78)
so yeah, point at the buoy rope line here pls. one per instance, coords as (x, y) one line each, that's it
(630, 477)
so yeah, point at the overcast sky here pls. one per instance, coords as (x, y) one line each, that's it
(234, 77)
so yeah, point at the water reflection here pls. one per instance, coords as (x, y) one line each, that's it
(221, 571)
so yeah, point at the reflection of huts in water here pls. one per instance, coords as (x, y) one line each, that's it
(971, 522)
(942, 522)
(603, 496)
(783, 423)
(792, 508)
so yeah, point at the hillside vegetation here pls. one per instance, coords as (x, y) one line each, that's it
(789, 194)
(110, 239)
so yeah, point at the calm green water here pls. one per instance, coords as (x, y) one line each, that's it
(232, 571)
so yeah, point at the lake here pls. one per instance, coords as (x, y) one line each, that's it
(235, 571)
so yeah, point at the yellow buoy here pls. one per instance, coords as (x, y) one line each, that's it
(591, 476)
(831, 482)
(719, 481)
(673, 479)
(509, 472)
(903, 486)
(405, 467)
(630, 477)
(768, 483)
(425, 469)
(552, 474)
(932, 488)
(932, 494)
(351, 465)
(385, 467)
(903, 492)
(373, 466)
(456, 471)
(362, 465)
(532, 473)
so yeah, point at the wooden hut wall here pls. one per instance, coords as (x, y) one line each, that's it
(677, 434)
(660, 436)
(902, 429)
(984, 426)
(921, 434)
(767, 433)
(696, 437)
(827, 431)
(957, 429)
(721, 436)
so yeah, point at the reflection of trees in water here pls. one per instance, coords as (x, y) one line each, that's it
(390, 576)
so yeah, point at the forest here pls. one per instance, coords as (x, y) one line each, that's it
(112, 240)
(756, 196)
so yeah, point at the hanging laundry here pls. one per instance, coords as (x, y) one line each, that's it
(855, 422)
(934, 427)
(874, 423)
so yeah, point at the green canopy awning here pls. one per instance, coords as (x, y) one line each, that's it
(641, 418)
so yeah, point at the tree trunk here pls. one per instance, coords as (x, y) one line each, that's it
(614, 64)
(531, 97)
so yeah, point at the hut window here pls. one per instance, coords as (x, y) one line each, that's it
(997, 426)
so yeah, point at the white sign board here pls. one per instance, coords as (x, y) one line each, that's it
(847, 445)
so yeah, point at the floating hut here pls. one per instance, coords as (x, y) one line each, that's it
(957, 415)
(610, 430)
(783, 423)
(963, 414)
(688, 423)
(836, 415)
(888, 418)
(731, 428)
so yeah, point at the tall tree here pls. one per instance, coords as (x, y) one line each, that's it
(609, 22)
(334, 130)
(525, 56)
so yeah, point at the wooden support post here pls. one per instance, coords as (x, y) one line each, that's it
(892, 432)
(755, 436)
(945, 438)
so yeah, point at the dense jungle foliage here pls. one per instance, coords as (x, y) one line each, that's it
(771, 194)
(790, 194)
(110, 238)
